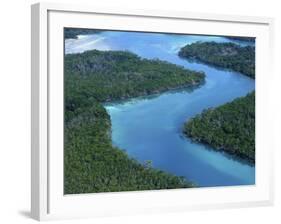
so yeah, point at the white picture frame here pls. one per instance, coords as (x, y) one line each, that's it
(48, 201)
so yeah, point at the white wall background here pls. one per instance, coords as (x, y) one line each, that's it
(15, 111)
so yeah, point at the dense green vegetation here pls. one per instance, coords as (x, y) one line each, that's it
(114, 75)
(91, 162)
(74, 32)
(230, 127)
(226, 55)
(247, 39)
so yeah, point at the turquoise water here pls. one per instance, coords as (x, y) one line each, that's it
(150, 128)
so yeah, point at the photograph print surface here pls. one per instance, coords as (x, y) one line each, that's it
(151, 111)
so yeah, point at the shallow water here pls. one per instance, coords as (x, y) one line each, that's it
(150, 128)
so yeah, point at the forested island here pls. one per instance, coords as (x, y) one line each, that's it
(72, 33)
(114, 75)
(91, 162)
(230, 127)
(225, 55)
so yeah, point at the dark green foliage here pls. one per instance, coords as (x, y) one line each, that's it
(72, 33)
(91, 162)
(230, 127)
(226, 55)
(115, 75)
(247, 39)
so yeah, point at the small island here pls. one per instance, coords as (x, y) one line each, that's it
(230, 127)
(72, 33)
(225, 55)
(91, 162)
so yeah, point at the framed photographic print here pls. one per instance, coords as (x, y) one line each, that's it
(148, 111)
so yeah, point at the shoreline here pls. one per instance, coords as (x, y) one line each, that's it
(185, 88)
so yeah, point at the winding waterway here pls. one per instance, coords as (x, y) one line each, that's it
(150, 128)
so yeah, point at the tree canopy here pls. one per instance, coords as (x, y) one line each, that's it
(230, 127)
(225, 55)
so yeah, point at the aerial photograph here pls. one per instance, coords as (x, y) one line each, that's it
(157, 111)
